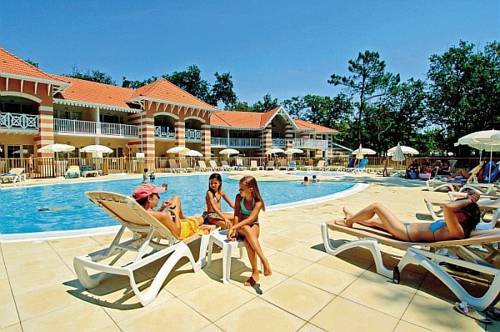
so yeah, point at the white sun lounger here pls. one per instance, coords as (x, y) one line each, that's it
(152, 241)
(428, 256)
(14, 175)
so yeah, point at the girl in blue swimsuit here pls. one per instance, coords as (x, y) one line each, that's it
(460, 219)
(248, 204)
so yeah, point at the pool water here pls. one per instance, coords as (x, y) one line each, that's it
(65, 206)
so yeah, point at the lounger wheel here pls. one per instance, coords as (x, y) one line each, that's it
(396, 276)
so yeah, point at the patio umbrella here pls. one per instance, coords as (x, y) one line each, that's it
(56, 147)
(96, 149)
(194, 153)
(229, 152)
(405, 149)
(360, 152)
(23, 151)
(178, 149)
(488, 140)
(275, 151)
(292, 151)
(397, 154)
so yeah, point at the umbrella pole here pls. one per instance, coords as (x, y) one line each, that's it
(491, 158)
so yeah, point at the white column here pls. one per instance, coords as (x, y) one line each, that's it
(97, 125)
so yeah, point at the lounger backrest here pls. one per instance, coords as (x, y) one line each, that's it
(239, 162)
(224, 163)
(283, 162)
(363, 163)
(184, 163)
(16, 171)
(172, 163)
(213, 164)
(74, 169)
(270, 163)
(321, 163)
(202, 164)
(129, 213)
(253, 163)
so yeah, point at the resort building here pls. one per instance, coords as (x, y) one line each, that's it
(39, 108)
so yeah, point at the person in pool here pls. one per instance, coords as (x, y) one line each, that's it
(315, 179)
(213, 213)
(182, 227)
(460, 219)
(306, 181)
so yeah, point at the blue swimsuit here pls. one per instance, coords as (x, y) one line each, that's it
(245, 212)
(433, 227)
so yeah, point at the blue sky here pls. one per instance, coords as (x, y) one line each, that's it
(285, 48)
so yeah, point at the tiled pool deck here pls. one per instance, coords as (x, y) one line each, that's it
(308, 291)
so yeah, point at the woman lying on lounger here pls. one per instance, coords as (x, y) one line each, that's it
(460, 219)
(182, 227)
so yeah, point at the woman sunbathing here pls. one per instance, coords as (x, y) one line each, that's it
(182, 227)
(460, 219)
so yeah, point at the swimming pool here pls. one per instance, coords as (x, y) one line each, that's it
(65, 207)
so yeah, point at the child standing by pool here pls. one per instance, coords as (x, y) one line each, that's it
(248, 204)
(213, 213)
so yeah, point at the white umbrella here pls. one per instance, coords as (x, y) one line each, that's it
(178, 149)
(96, 149)
(275, 150)
(194, 153)
(56, 148)
(23, 151)
(293, 151)
(405, 149)
(229, 151)
(488, 140)
(364, 151)
(397, 154)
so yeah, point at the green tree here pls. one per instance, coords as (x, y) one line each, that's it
(464, 94)
(368, 81)
(267, 103)
(241, 106)
(31, 62)
(93, 75)
(223, 90)
(294, 106)
(190, 80)
(137, 84)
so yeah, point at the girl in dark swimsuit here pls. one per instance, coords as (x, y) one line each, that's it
(213, 213)
(248, 204)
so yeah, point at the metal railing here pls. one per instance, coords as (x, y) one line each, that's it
(74, 126)
(18, 121)
(164, 132)
(279, 142)
(310, 143)
(192, 135)
(118, 129)
(224, 142)
(90, 128)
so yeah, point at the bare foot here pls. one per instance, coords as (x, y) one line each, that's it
(267, 269)
(342, 222)
(348, 214)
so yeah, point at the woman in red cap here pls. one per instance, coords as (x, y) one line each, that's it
(182, 227)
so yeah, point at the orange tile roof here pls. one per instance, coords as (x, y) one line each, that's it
(164, 90)
(306, 125)
(97, 93)
(266, 116)
(256, 120)
(11, 64)
(250, 120)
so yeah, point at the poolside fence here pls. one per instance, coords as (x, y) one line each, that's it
(53, 167)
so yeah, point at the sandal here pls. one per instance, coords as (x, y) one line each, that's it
(252, 283)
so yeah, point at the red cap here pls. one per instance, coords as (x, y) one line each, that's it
(144, 190)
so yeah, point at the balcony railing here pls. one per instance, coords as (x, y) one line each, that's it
(193, 135)
(224, 142)
(74, 126)
(118, 129)
(310, 143)
(90, 128)
(164, 132)
(279, 142)
(18, 121)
